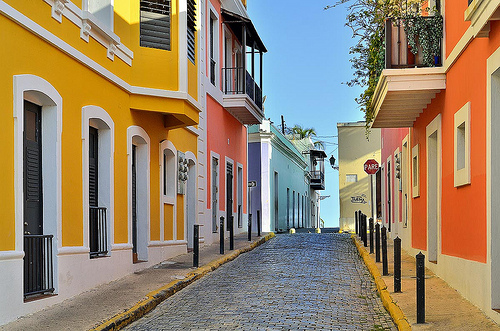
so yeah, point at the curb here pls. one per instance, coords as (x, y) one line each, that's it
(396, 313)
(154, 298)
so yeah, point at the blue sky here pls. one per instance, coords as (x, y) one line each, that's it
(306, 64)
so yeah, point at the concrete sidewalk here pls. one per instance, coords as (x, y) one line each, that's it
(132, 294)
(446, 309)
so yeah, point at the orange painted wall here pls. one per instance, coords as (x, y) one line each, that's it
(226, 137)
(455, 26)
(463, 209)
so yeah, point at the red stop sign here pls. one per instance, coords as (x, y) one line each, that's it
(371, 167)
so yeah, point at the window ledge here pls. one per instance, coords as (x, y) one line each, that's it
(480, 13)
(90, 26)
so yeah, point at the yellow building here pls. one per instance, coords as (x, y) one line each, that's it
(99, 107)
(357, 190)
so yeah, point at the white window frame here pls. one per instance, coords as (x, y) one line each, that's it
(462, 117)
(97, 117)
(415, 171)
(171, 196)
(215, 16)
(135, 133)
(88, 7)
(39, 91)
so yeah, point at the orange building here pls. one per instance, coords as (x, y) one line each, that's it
(233, 100)
(440, 156)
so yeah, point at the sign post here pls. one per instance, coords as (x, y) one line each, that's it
(371, 167)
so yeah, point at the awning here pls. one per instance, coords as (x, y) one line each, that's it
(236, 22)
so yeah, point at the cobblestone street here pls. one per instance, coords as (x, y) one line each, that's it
(293, 282)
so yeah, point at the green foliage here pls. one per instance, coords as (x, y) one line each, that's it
(425, 32)
(366, 18)
(298, 132)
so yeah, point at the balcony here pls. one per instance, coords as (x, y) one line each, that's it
(317, 167)
(480, 13)
(407, 84)
(242, 96)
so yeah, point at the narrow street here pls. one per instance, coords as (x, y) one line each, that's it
(293, 282)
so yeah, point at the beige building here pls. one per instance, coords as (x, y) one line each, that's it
(357, 191)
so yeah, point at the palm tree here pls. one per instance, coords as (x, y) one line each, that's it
(298, 132)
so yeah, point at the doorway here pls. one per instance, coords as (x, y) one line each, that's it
(433, 133)
(215, 193)
(229, 194)
(276, 202)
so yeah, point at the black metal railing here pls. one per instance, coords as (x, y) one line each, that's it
(98, 232)
(38, 265)
(240, 81)
(317, 180)
(398, 52)
(212, 71)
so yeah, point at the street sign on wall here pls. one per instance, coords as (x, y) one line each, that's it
(371, 167)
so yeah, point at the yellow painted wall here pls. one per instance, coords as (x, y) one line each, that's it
(79, 86)
(354, 150)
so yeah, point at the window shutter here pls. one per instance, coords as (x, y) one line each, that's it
(191, 28)
(155, 24)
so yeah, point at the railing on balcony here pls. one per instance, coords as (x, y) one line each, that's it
(234, 84)
(398, 52)
(98, 232)
(317, 176)
(212, 71)
(38, 265)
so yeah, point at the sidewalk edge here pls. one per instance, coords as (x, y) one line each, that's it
(396, 313)
(154, 298)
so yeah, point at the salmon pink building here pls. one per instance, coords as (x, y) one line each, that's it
(233, 100)
(440, 156)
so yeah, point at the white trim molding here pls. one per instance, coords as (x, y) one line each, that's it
(97, 117)
(461, 142)
(171, 197)
(139, 137)
(41, 92)
(90, 26)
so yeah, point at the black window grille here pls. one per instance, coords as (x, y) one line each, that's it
(38, 265)
(98, 232)
(155, 24)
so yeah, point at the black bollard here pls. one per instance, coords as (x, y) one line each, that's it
(397, 264)
(385, 267)
(365, 234)
(371, 235)
(356, 221)
(420, 288)
(231, 233)
(221, 232)
(196, 245)
(377, 242)
(258, 223)
(249, 227)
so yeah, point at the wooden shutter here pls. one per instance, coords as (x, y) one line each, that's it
(155, 24)
(191, 28)
(93, 167)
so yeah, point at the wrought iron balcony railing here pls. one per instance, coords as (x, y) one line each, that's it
(239, 81)
(317, 180)
(38, 265)
(98, 232)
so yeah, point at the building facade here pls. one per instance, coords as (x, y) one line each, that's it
(357, 189)
(100, 102)
(440, 125)
(281, 198)
(232, 99)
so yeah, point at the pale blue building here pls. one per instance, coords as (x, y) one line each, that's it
(288, 176)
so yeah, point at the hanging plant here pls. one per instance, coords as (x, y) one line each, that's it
(424, 32)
